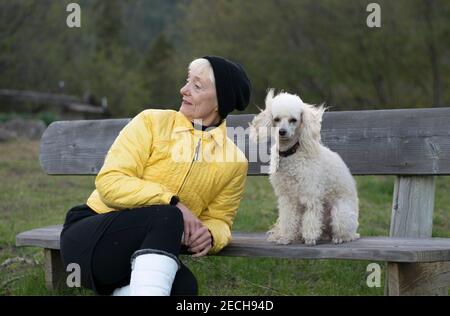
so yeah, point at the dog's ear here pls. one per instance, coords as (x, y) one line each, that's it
(317, 112)
(311, 123)
(262, 123)
(260, 126)
(269, 98)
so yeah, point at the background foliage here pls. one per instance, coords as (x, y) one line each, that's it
(136, 52)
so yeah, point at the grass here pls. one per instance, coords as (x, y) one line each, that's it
(31, 199)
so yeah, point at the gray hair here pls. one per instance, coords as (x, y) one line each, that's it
(203, 65)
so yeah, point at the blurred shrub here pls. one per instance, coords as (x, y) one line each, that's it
(46, 116)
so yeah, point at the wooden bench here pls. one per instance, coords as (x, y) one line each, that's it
(413, 144)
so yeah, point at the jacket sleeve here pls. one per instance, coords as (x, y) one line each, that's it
(220, 214)
(119, 182)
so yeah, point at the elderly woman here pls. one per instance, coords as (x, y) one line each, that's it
(170, 180)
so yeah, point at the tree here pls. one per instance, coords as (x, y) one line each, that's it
(109, 25)
(324, 50)
(158, 73)
(433, 16)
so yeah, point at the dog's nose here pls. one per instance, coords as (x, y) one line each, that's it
(282, 132)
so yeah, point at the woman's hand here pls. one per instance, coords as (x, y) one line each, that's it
(191, 223)
(200, 242)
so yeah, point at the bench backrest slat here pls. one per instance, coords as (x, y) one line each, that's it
(396, 142)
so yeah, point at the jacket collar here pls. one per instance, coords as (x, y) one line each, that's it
(219, 133)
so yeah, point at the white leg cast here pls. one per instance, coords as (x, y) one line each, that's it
(152, 275)
(122, 291)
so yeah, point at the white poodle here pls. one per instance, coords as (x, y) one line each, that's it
(317, 196)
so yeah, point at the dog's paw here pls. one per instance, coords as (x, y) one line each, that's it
(310, 242)
(271, 237)
(310, 237)
(284, 241)
(280, 240)
(337, 241)
(340, 240)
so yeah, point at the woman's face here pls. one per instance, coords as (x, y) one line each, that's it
(199, 98)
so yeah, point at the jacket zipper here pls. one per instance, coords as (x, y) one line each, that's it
(195, 158)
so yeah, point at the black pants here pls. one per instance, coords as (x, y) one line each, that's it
(102, 244)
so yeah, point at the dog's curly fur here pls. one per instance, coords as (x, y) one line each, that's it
(317, 196)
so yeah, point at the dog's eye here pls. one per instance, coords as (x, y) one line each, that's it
(276, 120)
(292, 120)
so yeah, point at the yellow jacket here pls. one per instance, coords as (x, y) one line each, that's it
(159, 154)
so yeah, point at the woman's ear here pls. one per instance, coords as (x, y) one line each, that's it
(260, 127)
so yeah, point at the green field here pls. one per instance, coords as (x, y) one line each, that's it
(30, 199)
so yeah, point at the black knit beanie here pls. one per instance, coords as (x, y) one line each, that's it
(233, 88)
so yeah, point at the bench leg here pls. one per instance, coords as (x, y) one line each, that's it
(55, 274)
(417, 278)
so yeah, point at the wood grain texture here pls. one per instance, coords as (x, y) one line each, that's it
(46, 237)
(412, 207)
(400, 142)
(412, 216)
(255, 245)
(408, 279)
(54, 271)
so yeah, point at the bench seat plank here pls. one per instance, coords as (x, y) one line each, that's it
(255, 245)
(45, 237)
